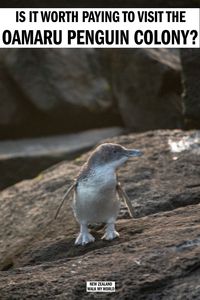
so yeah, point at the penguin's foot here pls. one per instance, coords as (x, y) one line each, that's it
(110, 232)
(84, 236)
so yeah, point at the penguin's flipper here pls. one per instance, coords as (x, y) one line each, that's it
(68, 192)
(122, 194)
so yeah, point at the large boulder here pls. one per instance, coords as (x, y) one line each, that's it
(190, 59)
(157, 257)
(157, 254)
(62, 90)
(49, 91)
(54, 78)
(147, 86)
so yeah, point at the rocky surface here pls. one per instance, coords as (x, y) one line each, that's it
(49, 78)
(26, 158)
(51, 91)
(149, 88)
(190, 59)
(157, 254)
(61, 90)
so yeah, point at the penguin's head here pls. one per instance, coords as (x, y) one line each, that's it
(113, 155)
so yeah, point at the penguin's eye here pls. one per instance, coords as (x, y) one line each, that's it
(114, 151)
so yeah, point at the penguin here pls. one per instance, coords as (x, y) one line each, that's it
(97, 191)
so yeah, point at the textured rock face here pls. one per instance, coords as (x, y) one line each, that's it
(190, 59)
(50, 77)
(157, 254)
(49, 91)
(62, 90)
(146, 84)
(156, 258)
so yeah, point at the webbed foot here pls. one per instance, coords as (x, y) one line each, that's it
(110, 232)
(84, 236)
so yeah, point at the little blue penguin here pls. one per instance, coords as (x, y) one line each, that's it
(97, 191)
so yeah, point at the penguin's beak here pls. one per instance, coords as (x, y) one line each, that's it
(133, 153)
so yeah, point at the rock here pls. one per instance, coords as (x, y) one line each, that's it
(63, 88)
(190, 59)
(157, 257)
(157, 254)
(55, 78)
(147, 86)
(25, 158)
(51, 91)
(13, 109)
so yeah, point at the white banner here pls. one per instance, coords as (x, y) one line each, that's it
(100, 286)
(100, 28)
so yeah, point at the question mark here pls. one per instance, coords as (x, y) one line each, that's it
(195, 34)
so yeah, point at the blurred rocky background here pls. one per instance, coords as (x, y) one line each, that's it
(49, 97)
(56, 91)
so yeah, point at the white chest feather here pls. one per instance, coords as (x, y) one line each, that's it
(103, 179)
(95, 199)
